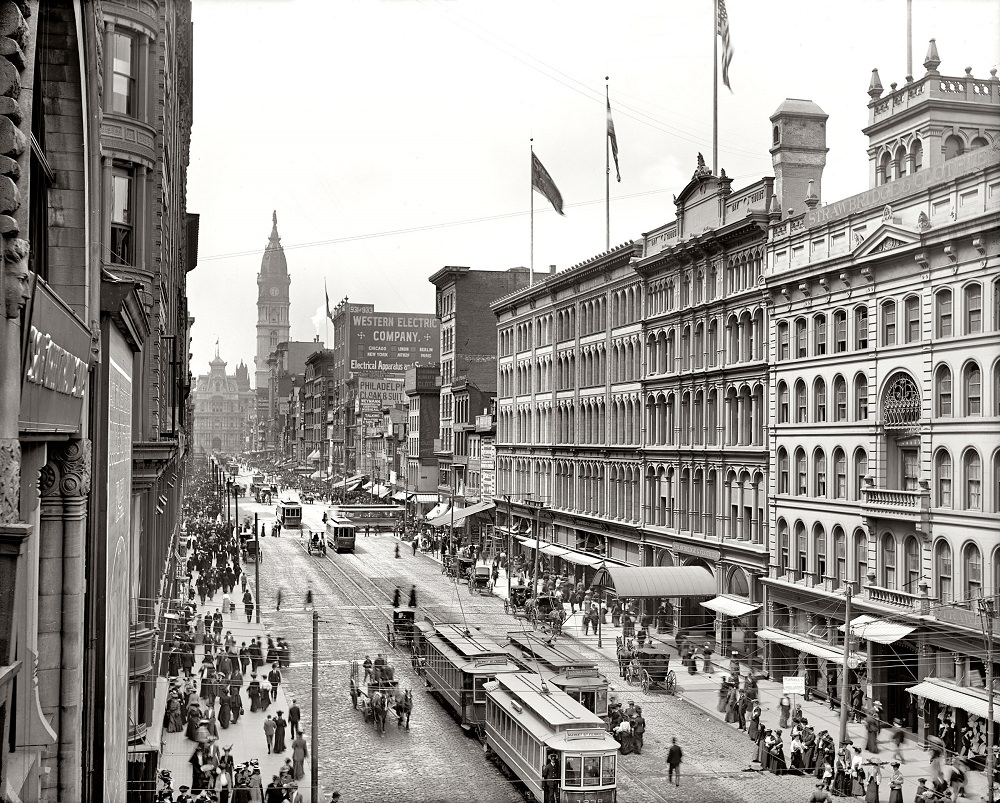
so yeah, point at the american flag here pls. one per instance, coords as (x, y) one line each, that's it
(727, 43)
(614, 141)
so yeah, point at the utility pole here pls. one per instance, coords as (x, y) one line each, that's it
(845, 684)
(987, 612)
(256, 567)
(537, 504)
(314, 747)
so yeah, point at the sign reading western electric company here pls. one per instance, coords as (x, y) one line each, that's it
(54, 382)
(392, 341)
(973, 162)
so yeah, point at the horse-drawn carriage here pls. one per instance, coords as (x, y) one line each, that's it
(650, 668)
(378, 692)
(251, 548)
(480, 581)
(545, 612)
(317, 543)
(517, 600)
(400, 632)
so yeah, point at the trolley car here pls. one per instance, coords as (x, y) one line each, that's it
(527, 721)
(340, 533)
(378, 517)
(289, 510)
(564, 668)
(457, 664)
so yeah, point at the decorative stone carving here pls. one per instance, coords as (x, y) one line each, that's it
(702, 169)
(68, 471)
(10, 480)
(16, 279)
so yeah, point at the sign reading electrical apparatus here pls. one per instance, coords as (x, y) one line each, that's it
(54, 382)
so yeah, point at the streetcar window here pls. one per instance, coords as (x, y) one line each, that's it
(601, 706)
(572, 771)
(592, 771)
(478, 693)
(608, 769)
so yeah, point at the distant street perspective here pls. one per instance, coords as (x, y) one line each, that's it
(536, 401)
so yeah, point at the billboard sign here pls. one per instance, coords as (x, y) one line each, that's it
(487, 467)
(392, 341)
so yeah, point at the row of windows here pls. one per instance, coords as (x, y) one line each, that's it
(691, 500)
(698, 346)
(817, 336)
(822, 410)
(969, 481)
(742, 272)
(970, 402)
(698, 420)
(817, 481)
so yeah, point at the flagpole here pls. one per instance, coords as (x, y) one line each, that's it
(715, 87)
(909, 41)
(607, 174)
(531, 190)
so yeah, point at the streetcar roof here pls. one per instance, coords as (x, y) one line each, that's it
(552, 705)
(558, 656)
(468, 643)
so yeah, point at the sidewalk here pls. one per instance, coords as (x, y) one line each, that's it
(702, 690)
(247, 735)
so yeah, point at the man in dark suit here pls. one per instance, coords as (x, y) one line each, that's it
(294, 716)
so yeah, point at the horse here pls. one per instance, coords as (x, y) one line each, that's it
(379, 708)
(403, 708)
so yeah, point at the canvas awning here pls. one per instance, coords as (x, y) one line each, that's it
(313, 455)
(531, 543)
(656, 581)
(316, 475)
(731, 605)
(399, 496)
(459, 515)
(380, 490)
(367, 486)
(425, 498)
(824, 651)
(553, 550)
(581, 559)
(955, 697)
(436, 511)
(871, 628)
(353, 486)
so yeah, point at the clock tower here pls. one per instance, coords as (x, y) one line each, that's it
(272, 308)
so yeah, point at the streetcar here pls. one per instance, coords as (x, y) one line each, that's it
(340, 533)
(457, 663)
(527, 721)
(378, 517)
(563, 667)
(289, 510)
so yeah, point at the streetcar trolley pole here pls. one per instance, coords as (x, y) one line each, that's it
(256, 567)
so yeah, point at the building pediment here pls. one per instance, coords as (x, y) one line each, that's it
(887, 237)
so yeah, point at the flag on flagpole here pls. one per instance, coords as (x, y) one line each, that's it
(727, 42)
(542, 181)
(614, 141)
(327, 294)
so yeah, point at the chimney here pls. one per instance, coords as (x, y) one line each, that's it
(798, 152)
(552, 269)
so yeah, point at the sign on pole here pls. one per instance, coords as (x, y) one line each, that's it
(794, 685)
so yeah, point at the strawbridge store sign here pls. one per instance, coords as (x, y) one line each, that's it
(54, 381)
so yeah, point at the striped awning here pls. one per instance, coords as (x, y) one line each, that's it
(956, 697)
(731, 605)
(656, 581)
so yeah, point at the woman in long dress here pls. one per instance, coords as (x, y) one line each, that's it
(225, 709)
(753, 724)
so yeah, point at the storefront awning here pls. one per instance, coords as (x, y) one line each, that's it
(436, 512)
(823, 651)
(367, 486)
(459, 515)
(955, 697)
(731, 605)
(553, 550)
(399, 496)
(380, 490)
(531, 543)
(425, 498)
(871, 628)
(313, 455)
(581, 559)
(353, 486)
(656, 581)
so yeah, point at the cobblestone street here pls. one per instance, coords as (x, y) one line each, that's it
(435, 760)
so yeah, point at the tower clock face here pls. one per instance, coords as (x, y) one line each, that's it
(274, 291)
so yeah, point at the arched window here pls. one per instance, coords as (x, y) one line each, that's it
(801, 479)
(861, 327)
(819, 553)
(911, 564)
(972, 572)
(839, 474)
(885, 168)
(819, 400)
(943, 572)
(839, 398)
(887, 558)
(861, 397)
(973, 300)
(839, 331)
(801, 551)
(953, 146)
(819, 334)
(860, 471)
(782, 471)
(776, 136)
(899, 163)
(942, 478)
(943, 320)
(800, 402)
(839, 556)
(888, 309)
(783, 346)
(782, 403)
(819, 472)
(861, 555)
(942, 392)
(911, 319)
(972, 471)
(782, 547)
(972, 389)
(916, 155)
(801, 338)
(977, 143)
(901, 403)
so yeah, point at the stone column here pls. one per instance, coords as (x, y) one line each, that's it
(50, 583)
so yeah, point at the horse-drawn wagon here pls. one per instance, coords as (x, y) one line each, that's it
(378, 692)
(400, 631)
(480, 581)
(317, 543)
(516, 601)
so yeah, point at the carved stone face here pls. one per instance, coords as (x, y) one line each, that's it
(17, 286)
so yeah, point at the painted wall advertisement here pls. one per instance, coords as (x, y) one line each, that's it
(488, 467)
(374, 393)
(118, 524)
(393, 341)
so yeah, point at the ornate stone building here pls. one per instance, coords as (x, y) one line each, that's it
(885, 408)
(273, 322)
(223, 404)
(93, 419)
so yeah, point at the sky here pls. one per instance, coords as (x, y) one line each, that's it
(393, 137)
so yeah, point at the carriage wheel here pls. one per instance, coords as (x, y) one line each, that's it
(670, 683)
